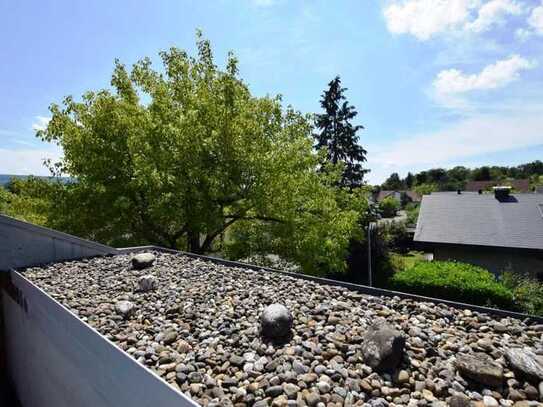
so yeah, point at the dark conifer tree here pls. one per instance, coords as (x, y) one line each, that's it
(338, 135)
(409, 180)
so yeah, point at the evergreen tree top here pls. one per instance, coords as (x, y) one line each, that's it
(338, 134)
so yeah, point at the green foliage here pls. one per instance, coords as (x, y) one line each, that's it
(425, 189)
(27, 199)
(393, 183)
(402, 262)
(337, 136)
(316, 238)
(412, 209)
(186, 157)
(389, 207)
(457, 177)
(454, 281)
(528, 292)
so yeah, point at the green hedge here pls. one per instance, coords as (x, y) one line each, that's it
(454, 281)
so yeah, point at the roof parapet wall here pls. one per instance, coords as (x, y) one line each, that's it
(23, 244)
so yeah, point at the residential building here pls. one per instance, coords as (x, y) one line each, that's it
(500, 231)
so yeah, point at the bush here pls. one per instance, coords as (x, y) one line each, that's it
(412, 210)
(454, 281)
(395, 236)
(528, 293)
(389, 206)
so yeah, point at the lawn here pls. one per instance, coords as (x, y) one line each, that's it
(401, 262)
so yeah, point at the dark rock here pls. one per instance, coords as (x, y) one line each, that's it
(276, 322)
(237, 360)
(147, 283)
(143, 260)
(480, 368)
(383, 347)
(274, 391)
(459, 400)
(531, 392)
(525, 363)
(195, 377)
(168, 337)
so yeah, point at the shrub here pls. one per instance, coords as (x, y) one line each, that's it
(389, 206)
(528, 293)
(395, 236)
(454, 281)
(412, 210)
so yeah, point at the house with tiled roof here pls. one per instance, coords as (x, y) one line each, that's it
(500, 231)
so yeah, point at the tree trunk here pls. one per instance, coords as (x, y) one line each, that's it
(194, 243)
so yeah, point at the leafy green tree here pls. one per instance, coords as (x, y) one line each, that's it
(437, 175)
(27, 199)
(481, 174)
(425, 189)
(179, 157)
(337, 135)
(393, 183)
(389, 207)
(421, 177)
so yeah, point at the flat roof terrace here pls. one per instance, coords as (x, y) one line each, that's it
(196, 323)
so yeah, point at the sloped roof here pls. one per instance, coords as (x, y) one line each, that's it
(481, 219)
(520, 185)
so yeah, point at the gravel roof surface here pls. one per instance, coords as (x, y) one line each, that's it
(199, 329)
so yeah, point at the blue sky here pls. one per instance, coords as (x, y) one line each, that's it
(436, 82)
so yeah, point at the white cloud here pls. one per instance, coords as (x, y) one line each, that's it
(535, 21)
(523, 34)
(40, 123)
(27, 161)
(480, 134)
(492, 13)
(499, 74)
(426, 18)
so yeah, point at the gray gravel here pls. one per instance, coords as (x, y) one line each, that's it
(198, 326)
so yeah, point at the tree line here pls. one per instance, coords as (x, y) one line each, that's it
(440, 179)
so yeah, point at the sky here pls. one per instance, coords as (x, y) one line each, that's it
(437, 83)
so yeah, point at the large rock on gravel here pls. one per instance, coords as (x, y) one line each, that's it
(525, 363)
(125, 308)
(143, 260)
(147, 283)
(276, 322)
(459, 400)
(383, 347)
(480, 368)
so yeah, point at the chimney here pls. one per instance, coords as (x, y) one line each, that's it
(501, 192)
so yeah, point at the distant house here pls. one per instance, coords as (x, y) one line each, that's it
(519, 185)
(412, 196)
(500, 231)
